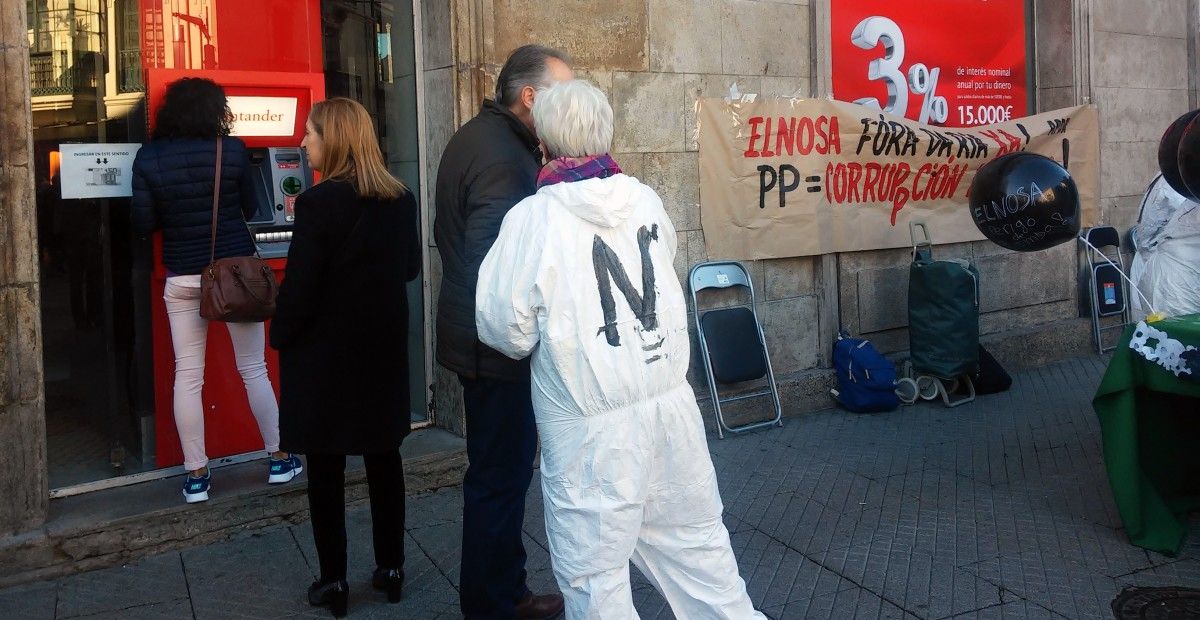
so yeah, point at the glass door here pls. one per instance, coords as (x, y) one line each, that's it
(85, 245)
(370, 57)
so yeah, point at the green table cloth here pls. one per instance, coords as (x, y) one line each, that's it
(1150, 427)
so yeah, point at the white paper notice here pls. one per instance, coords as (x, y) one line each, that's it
(263, 116)
(97, 170)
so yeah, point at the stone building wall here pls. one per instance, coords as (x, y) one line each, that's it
(1140, 80)
(655, 58)
(22, 414)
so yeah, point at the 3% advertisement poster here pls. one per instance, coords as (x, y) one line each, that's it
(954, 63)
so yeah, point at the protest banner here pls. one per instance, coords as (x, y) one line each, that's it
(789, 177)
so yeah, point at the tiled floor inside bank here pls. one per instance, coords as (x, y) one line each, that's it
(81, 432)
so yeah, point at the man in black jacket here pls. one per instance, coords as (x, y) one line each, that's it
(490, 165)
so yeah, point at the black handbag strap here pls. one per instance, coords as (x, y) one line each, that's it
(212, 247)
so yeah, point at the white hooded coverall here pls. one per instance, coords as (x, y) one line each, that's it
(583, 277)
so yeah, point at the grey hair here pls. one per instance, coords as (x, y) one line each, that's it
(574, 119)
(525, 67)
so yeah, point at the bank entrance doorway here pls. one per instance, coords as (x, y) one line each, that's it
(92, 62)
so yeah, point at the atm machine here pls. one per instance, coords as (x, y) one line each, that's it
(280, 173)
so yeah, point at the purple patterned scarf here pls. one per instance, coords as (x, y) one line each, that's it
(570, 169)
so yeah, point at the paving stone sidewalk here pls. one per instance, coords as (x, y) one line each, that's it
(998, 509)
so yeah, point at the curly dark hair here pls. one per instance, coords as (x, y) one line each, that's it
(193, 108)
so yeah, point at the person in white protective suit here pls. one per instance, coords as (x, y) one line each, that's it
(583, 277)
(1166, 259)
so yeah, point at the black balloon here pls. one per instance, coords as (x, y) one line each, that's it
(1170, 150)
(1188, 156)
(1025, 202)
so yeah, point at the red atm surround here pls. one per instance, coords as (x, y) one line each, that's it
(229, 426)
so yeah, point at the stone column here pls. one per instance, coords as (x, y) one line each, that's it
(24, 496)
(1193, 53)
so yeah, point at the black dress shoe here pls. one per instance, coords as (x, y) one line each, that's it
(332, 594)
(390, 580)
(539, 606)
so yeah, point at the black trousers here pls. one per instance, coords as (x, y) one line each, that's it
(501, 442)
(327, 503)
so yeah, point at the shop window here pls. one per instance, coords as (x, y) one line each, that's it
(65, 45)
(47, 63)
(129, 48)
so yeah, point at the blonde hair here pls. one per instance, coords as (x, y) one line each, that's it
(573, 119)
(351, 150)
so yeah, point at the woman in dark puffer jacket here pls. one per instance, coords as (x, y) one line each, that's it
(173, 179)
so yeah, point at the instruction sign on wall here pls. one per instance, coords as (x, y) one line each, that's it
(97, 170)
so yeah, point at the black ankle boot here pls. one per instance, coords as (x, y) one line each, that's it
(332, 594)
(390, 580)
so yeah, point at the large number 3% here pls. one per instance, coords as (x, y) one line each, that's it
(873, 31)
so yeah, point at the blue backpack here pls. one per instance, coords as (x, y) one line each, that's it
(866, 379)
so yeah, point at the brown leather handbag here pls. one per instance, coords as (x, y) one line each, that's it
(238, 289)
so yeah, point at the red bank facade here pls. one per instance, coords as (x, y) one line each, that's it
(108, 345)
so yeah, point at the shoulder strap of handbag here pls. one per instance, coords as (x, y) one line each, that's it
(212, 248)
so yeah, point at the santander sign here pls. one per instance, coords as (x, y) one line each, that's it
(263, 116)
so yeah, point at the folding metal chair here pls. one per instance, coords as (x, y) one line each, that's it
(1107, 293)
(732, 343)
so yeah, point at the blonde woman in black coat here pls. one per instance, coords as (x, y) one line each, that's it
(341, 331)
